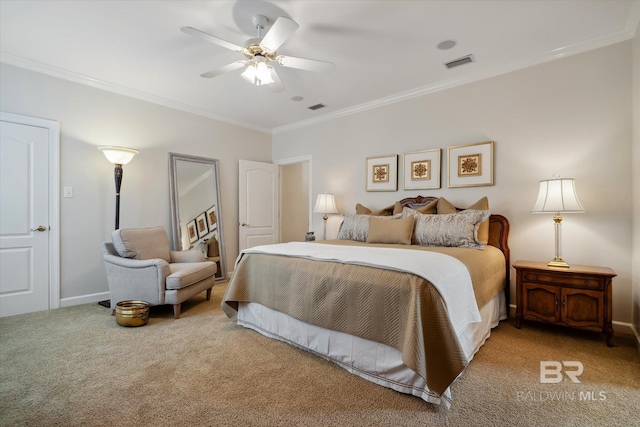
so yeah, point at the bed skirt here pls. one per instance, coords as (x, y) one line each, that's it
(375, 362)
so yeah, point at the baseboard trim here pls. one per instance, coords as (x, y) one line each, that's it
(84, 299)
(624, 327)
(637, 335)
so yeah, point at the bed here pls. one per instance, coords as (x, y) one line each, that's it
(403, 315)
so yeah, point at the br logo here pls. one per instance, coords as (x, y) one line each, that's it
(551, 371)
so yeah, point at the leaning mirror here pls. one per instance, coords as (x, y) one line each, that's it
(196, 214)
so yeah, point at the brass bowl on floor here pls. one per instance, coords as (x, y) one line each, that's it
(132, 313)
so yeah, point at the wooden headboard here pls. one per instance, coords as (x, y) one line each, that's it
(498, 236)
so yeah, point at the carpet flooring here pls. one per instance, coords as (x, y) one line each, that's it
(76, 367)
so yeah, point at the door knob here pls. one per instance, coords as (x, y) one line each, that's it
(244, 224)
(40, 228)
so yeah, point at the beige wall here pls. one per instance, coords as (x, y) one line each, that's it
(90, 117)
(571, 116)
(636, 182)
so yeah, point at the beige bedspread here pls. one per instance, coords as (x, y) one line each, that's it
(398, 309)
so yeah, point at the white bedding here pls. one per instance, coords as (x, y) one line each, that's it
(370, 360)
(449, 276)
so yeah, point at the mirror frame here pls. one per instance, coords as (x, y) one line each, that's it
(175, 210)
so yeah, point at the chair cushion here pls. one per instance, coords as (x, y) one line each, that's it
(142, 243)
(185, 274)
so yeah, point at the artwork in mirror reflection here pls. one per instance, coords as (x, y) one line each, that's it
(195, 202)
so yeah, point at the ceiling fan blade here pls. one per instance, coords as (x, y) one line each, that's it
(277, 85)
(279, 32)
(305, 64)
(225, 69)
(211, 39)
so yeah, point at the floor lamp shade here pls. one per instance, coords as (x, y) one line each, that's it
(325, 204)
(118, 156)
(557, 196)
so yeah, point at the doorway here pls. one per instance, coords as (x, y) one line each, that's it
(295, 199)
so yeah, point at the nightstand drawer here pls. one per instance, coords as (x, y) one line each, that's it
(595, 283)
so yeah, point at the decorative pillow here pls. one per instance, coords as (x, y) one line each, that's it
(445, 207)
(363, 210)
(356, 226)
(393, 231)
(141, 243)
(455, 230)
(213, 250)
(429, 208)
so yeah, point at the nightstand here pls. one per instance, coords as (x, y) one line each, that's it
(578, 296)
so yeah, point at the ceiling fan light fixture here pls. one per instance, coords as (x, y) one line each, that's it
(258, 73)
(263, 75)
(250, 73)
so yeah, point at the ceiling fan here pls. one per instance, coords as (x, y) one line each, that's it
(262, 51)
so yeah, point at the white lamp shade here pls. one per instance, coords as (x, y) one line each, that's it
(325, 203)
(258, 73)
(557, 195)
(250, 74)
(118, 155)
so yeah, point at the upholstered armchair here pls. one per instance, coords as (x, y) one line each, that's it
(140, 266)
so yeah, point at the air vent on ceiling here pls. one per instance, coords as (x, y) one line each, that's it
(460, 61)
(316, 107)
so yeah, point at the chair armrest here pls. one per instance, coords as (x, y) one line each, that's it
(187, 256)
(133, 263)
(136, 279)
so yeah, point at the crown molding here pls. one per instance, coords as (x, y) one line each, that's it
(619, 36)
(120, 90)
(573, 49)
(634, 19)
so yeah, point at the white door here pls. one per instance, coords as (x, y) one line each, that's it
(258, 204)
(24, 217)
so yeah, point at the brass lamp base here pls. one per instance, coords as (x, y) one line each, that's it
(558, 262)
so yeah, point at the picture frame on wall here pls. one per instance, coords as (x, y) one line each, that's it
(470, 165)
(212, 219)
(201, 223)
(382, 173)
(192, 231)
(421, 169)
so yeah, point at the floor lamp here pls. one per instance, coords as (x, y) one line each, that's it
(557, 196)
(325, 204)
(119, 156)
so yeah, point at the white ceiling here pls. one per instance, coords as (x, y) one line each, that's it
(383, 51)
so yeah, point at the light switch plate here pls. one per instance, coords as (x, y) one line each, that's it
(68, 192)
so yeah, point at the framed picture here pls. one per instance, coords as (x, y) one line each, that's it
(471, 165)
(382, 173)
(421, 169)
(212, 219)
(192, 231)
(201, 223)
